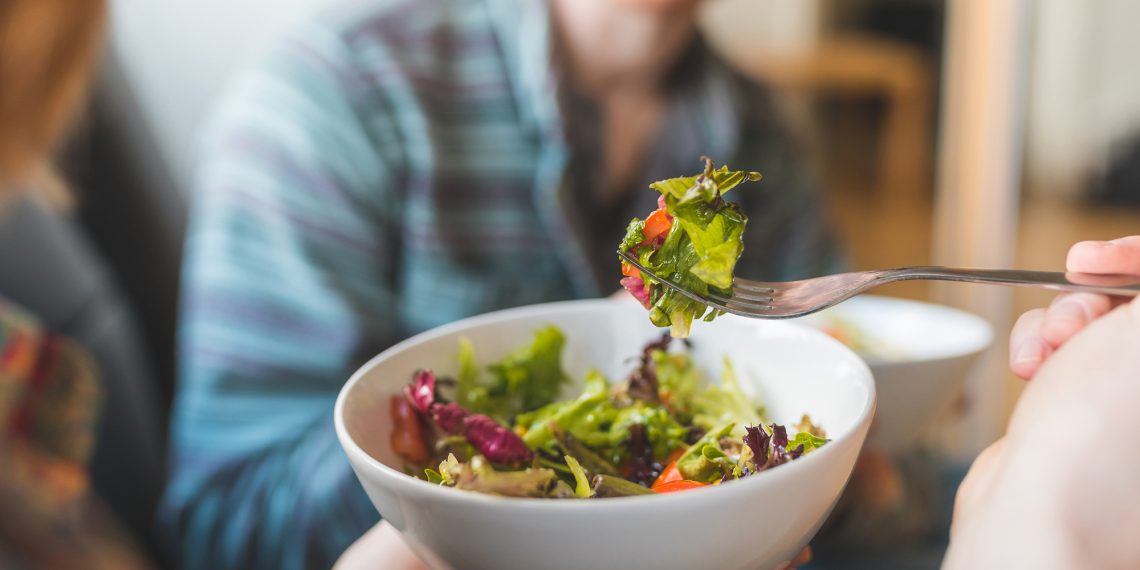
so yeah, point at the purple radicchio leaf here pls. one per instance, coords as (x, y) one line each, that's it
(769, 451)
(694, 435)
(779, 452)
(637, 288)
(643, 384)
(779, 456)
(496, 442)
(757, 439)
(449, 417)
(779, 436)
(644, 470)
(797, 452)
(421, 392)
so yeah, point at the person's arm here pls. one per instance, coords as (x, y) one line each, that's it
(286, 289)
(380, 547)
(1058, 491)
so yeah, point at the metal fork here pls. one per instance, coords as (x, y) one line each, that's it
(790, 299)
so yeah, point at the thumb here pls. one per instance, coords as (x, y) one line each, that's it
(1120, 256)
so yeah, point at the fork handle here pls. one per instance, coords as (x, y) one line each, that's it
(1127, 285)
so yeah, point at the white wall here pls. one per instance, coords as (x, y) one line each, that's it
(1084, 91)
(175, 56)
(1116, 101)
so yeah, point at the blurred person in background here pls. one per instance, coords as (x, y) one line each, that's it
(397, 165)
(50, 393)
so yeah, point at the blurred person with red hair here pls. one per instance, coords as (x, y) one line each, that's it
(397, 165)
(49, 389)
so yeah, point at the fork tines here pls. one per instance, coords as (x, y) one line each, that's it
(748, 298)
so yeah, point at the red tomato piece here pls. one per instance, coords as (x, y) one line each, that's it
(670, 473)
(408, 437)
(679, 485)
(657, 224)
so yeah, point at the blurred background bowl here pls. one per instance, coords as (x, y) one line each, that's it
(756, 522)
(920, 354)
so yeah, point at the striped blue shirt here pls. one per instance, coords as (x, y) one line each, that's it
(390, 167)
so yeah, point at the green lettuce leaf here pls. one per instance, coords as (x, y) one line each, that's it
(809, 441)
(678, 380)
(633, 235)
(726, 403)
(590, 460)
(705, 461)
(715, 266)
(467, 381)
(698, 187)
(573, 415)
(479, 475)
(606, 486)
(534, 374)
(594, 422)
(673, 261)
(581, 483)
(661, 429)
(526, 380)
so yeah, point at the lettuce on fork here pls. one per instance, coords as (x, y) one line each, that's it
(694, 239)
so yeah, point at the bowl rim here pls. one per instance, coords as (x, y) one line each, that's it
(983, 342)
(403, 484)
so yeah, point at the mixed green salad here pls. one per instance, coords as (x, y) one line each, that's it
(501, 429)
(692, 239)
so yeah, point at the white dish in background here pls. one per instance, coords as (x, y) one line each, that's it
(756, 522)
(920, 354)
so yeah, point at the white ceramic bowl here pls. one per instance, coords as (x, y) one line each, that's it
(921, 355)
(756, 522)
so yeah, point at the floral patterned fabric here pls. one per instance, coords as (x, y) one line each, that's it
(49, 402)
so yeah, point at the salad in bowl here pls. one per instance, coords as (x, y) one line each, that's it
(755, 520)
(488, 442)
(501, 428)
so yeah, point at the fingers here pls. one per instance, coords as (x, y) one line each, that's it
(380, 547)
(1027, 348)
(1121, 256)
(1069, 314)
(802, 558)
(1041, 331)
(1038, 333)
